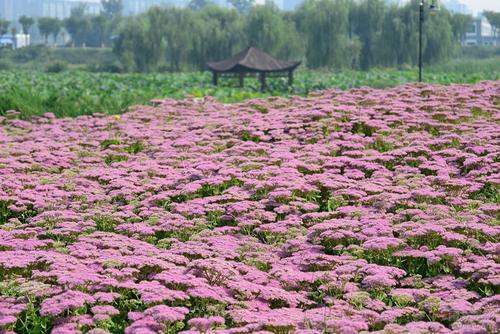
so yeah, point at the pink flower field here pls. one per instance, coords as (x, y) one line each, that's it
(345, 212)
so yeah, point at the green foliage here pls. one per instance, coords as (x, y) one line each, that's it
(363, 128)
(70, 93)
(6, 213)
(460, 23)
(267, 29)
(337, 246)
(4, 65)
(247, 136)
(412, 265)
(324, 24)
(366, 20)
(135, 148)
(94, 30)
(4, 26)
(335, 202)
(489, 193)
(30, 320)
(105, 223)
(49, 26)
(57, 67)
(494, 20)
(108, 142)
(380, 145)
(335, 34)
(467, 66)
(112, 8)
(26, 22)
(242, 6)
(78, 27)
(484, 289)
(112, 158)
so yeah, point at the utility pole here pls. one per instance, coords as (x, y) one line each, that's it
(434, 7)
(420, 51)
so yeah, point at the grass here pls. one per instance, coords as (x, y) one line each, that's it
(39, 57)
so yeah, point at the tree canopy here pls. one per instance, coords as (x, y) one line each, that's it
(333, 34)
(322, 33)
(242, 6)
(49, 26)
(494, 20)
(112, 8)
(4, 26)
(26, 22)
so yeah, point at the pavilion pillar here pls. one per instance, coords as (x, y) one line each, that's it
(263, 85)
(242, 79)
(215, 78)
(290, 78)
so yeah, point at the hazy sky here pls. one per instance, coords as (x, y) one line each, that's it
(479, 5)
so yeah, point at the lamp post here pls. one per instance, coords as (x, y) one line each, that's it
(433, 7)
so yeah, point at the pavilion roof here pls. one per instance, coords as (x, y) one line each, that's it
(252, 60)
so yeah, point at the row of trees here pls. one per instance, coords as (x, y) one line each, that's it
(322, 33)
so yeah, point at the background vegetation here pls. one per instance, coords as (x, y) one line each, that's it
(77, 93)
(332, 34)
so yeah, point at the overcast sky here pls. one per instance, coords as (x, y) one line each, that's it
(480, 5)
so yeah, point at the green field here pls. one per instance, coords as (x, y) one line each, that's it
(73, 93)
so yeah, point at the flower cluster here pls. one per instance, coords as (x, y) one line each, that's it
(344, 212)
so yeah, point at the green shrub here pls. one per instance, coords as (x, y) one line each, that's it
(4, 65)
(56, 67)
(30, 53)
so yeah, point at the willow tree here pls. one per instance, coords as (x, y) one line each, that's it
(219, 33)
(324, 24)
(460, 24)
(368, 17)
(178, 33)
(266, 29)
(131, 45)
(440, 41)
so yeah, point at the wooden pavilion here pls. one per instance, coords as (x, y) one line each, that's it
(253, 61)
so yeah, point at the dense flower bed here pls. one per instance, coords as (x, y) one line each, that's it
(345, 212)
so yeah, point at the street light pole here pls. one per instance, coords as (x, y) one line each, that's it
(434, 7)
(420, 51)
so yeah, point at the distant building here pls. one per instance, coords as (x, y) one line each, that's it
(14, 41)
(133, 7)
(480, 33)
(7, 41)
(293, 4)
(12, 10)
(22, 40)
(456, 6)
